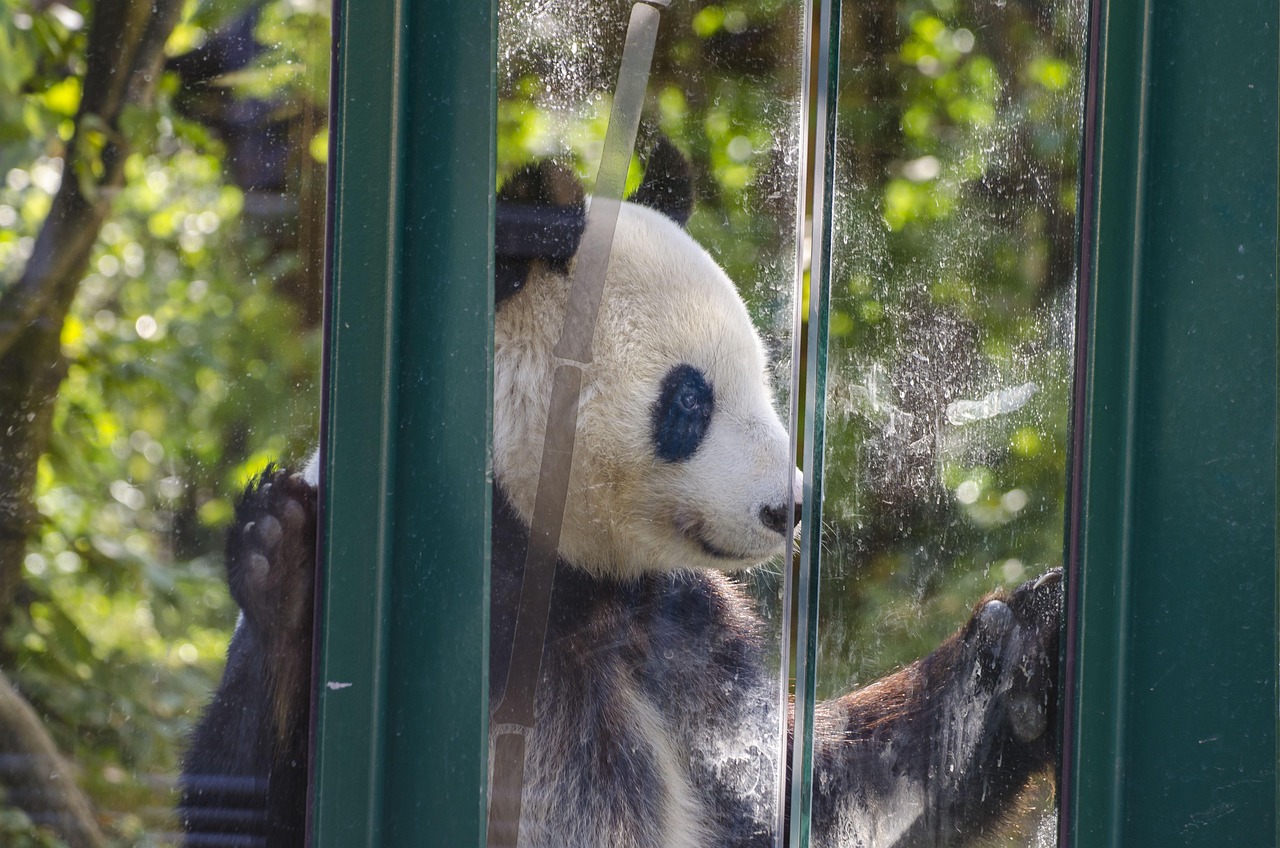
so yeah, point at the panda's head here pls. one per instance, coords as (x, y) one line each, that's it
(679, 459)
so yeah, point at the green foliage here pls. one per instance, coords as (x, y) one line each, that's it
(189, 367)
(952, 283)
(17, 830)
(39, 52)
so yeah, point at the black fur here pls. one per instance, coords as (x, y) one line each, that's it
(999, 673)
(668, 635)
(244, 778)
(688, 642)
(668, 183)
(682, 414)
(541, 212)
(540, 215)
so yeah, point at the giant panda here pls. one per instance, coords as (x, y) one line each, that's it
(657, 720)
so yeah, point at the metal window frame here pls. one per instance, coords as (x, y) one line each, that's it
(401, 724)
(1172, 652)
(1171, 665)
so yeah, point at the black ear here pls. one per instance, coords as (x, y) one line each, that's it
(540, 215)
(668, 183)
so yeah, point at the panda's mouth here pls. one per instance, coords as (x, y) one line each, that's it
(718, 553)
(694, 529)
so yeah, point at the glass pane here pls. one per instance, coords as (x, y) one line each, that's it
(660, 682)
(952, 263)
(161, 238)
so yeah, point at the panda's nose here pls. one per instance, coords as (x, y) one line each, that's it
(775, 517)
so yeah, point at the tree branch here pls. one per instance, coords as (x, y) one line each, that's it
(36, 775)
(125, 52)
(124, 55)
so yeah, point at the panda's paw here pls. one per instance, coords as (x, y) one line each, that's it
(271, 552)
(1015, 638)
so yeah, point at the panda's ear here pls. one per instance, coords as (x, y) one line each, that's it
(540, 216)
(668, 183)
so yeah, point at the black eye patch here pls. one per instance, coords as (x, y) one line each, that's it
(682, 414)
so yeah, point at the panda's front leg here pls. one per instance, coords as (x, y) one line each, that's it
(937, 754)
(271, 556)
(245, 772)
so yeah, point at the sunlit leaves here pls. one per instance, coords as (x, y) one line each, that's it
(187, 368)
(40, 48)
(296, 59)
(63, 98)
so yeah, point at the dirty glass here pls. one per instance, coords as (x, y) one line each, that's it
(162, 185)
(657, 713)
(951, 267)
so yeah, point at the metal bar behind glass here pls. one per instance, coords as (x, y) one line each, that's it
(806, 647)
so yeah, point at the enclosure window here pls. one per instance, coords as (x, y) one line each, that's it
(947, 299)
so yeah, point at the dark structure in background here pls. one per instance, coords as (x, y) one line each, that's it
(268, 157)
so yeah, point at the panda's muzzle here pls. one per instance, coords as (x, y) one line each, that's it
(694, 530)
(719, 553)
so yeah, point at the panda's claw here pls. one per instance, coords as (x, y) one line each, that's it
(1053, 575)
(1031, 698)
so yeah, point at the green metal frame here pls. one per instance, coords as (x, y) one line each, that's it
(1172, 627)
(401, 728)
(1171, 732)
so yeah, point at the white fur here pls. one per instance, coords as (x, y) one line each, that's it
(666, 303)
(311, 471)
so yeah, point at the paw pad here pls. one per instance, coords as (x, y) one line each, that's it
(271, 555)
(995, 619)
(269, 533)
(259, 567)
(1027, 716)
(294, 515)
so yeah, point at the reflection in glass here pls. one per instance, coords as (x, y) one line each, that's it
(161, 229)
(952, 293)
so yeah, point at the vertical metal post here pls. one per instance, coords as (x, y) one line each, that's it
(814, 437)
(403, 701)
(1173, 731)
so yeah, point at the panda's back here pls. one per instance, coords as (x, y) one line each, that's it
(656, 723)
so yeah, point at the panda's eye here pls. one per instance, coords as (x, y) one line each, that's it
(682, 413)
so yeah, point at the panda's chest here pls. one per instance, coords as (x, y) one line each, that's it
(645, 735)
(611, 757)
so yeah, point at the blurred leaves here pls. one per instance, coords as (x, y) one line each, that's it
(953, 283)
(188, 367)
